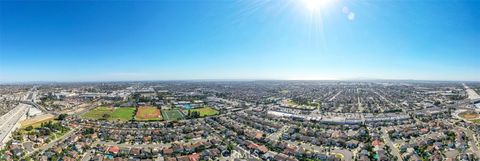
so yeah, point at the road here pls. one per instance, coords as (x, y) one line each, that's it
(277, 134)
(87, 156)
(152, 145)
(471, 93)
(332, 98)
(347, 155)
(9, 122)
(54, 142)
(389, 143)
(472, 142)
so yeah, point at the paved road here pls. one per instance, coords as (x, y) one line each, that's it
(277, 134)
(347, 155)
(332, 98)
(9, 122)
(193, 141)
(307, 146)
(389, 143)
(472, 140)
(87, 156)
(52, 143)
(471, 93)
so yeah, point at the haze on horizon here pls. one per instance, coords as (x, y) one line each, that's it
(239, 39)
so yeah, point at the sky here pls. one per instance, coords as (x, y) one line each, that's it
(239, 39)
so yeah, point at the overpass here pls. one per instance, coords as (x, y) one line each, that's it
(10, 121)
(36, 105)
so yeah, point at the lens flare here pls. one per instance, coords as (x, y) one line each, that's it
(315, 5)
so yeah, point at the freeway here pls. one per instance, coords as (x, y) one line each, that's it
(9, 122)
(11, 119)
(472, 95)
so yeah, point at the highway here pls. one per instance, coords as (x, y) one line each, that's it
(472, 95)
(9, 121)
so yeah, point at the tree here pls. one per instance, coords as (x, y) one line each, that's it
(230, 146)
(29, 128)
(195, 114)
(105, 116)
(62, 116)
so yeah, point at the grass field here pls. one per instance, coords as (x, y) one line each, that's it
(121, 114)
(172, 115)
(206, 111)
(148, 114)
(476, 121)
(290, 103)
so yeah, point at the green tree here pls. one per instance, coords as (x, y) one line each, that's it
(29, 128)
(62, 116)
(105, 116)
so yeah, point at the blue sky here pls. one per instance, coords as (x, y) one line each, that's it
(221, 39)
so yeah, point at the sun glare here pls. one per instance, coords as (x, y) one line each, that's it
(314, 5)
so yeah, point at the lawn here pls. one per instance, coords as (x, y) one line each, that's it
(290, 103)
(148, 114)
(476, 121)
(205, 111)
(172, 115)
(121, 114)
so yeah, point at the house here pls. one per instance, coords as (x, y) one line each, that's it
(135, 151)
(65, 158)
(352, 144)
(194, 157)
(183, 158)
(170, 159)
(113, 149)
(167, 151)
(262, 149)
(363, 158)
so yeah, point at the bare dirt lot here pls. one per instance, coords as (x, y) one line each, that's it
(37, 120)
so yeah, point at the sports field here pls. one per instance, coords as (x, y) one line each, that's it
(206, 111)
(172, 115)
(148, 114)
(112, 114)
(469, 115)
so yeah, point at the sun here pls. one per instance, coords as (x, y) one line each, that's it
(315, 5)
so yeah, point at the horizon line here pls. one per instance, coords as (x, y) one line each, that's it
(219, 80)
